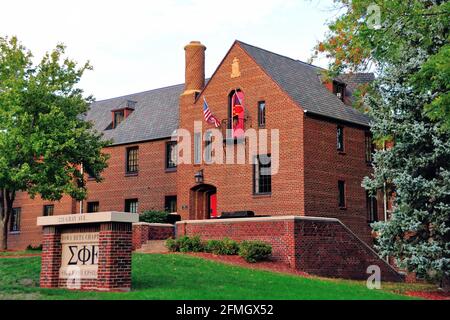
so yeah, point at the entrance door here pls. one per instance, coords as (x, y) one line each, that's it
(203, 202)
(213, 205)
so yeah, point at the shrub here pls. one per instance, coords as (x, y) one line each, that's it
(230, 247)
(186, 244)
(196, 244)
(213, 246)
(253, 251)
(152, 216)
(172, 245)
(34, 248)
(223, 247)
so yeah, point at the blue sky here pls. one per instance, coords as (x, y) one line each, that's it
(138, 45)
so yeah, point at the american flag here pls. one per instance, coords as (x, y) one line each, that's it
(208, 115)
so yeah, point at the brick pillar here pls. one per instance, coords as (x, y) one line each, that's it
(114, 263)
(51, 257)
(180, 229)
(140, 234)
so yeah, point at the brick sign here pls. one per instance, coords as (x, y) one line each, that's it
(87, 251)
(79, 258)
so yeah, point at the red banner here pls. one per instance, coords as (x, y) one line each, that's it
(237, 109)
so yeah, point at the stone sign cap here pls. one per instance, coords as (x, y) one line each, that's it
(97, 217)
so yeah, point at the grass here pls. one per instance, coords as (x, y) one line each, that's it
(177, 276)
(19, 253)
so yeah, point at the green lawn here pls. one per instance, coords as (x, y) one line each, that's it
(19, 253)
(176, 276)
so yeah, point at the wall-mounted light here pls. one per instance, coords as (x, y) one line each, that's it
(199, 176)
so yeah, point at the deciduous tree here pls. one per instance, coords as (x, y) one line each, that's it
(44, 140)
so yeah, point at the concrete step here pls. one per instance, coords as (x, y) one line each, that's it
(153, 246)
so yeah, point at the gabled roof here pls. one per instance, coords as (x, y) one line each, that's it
(155, 115)
(301, 81)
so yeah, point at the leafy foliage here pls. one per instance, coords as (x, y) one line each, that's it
(409, 106)
(254, 251)
(188, 244)
(154, 216)
(225, 246)
(356, 41)
(44, 140)
(34, 248)
(172, 245)
(251, 251)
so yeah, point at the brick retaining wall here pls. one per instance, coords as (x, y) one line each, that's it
(144, 231)
(320, 246)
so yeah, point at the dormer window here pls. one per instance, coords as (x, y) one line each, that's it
(339, 90)
(120, 114)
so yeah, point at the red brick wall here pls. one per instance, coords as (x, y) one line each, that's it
(234, 183)
(30, 233)
(143, 231)
(324, 166)
(315, 245)
(279, 233)
(150, 186)
(328, 248)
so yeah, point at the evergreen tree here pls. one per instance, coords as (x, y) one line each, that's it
(407, 43)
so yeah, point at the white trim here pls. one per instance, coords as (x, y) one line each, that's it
(153, 224)
(109, 216)
(257, 219)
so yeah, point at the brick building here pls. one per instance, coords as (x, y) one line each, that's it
(323, 147)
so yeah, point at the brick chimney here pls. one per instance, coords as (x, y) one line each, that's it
(195, 67)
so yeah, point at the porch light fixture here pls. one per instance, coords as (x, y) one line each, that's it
(199, 176)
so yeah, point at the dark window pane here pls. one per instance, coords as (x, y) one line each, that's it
(14, 224)
(171, 154)
(340, 138)
(131, 205)
(118, 117)
(369, 146)
(132, 160)
(262, 174)
(261, 114)
(372, 208)
(48, 210)
(93, 206)
(341, 192)
(170, 203)
(339, 90)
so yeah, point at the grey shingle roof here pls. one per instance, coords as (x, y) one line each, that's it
(155, 115)
(302, 83)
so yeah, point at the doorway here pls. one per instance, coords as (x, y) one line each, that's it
(203, 202)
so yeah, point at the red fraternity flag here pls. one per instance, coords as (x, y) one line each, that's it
(238, 114)
(209, 118)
